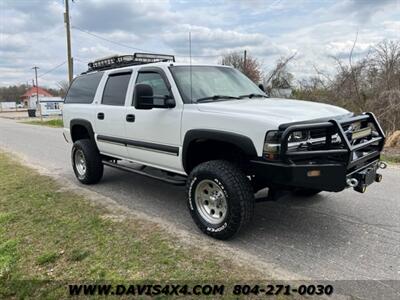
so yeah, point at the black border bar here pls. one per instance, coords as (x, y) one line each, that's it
(349, 149)
(139, 144)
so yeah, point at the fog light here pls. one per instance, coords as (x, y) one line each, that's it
(314, 173)
(382, 165)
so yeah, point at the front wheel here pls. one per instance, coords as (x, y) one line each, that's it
(86, 162)
(221, 199)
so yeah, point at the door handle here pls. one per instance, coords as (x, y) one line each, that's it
(100, 116)
(130, 118)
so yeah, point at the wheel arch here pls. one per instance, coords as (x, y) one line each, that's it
(81, 129)
(239, 142)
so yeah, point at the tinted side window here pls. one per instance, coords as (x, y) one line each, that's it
(115, 89)
(83, 88)
(156, 82)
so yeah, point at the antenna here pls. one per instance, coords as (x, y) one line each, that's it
(190, 66)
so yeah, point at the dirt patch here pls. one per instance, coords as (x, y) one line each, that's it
(391, 152)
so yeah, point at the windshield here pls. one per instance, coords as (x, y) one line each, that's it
(212, 81)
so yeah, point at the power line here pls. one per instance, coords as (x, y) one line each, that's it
(81, 60)
(108, 40)
(41, 75)
(129, 47)
(52, 69)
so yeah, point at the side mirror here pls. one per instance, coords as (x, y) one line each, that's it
(169, 102)
(144, 98)
(261, 87)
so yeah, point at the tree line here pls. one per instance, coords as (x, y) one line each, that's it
(14, 92)
(370, 83)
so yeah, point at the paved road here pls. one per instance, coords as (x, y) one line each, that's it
(330, 236)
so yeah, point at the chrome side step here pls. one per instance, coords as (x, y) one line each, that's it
(180, 181)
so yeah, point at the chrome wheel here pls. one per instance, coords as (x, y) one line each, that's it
(80, 162)
(211, 202)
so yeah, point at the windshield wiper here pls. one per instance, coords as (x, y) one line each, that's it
(215, 97)
(253, 96)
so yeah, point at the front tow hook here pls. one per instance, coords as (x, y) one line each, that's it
(361, 188)
(378, 177)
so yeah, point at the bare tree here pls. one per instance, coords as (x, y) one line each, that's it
(251, 68)
(64, 85)
(279, 76)
(372, 83)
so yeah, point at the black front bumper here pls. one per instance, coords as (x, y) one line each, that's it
(332, 177)
(328, 168)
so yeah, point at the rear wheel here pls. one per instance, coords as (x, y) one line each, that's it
(86, 162)
(221, 199)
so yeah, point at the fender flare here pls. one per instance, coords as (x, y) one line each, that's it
(84, 123)
(242, 142)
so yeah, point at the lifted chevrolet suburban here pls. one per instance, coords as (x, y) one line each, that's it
(212, 129)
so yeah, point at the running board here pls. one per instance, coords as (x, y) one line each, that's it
(140, 172)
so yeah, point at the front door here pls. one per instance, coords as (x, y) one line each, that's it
(154, 134)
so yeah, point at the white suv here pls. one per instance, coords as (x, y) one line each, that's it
(213, 129)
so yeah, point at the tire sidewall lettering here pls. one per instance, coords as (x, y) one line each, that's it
(218, 229)
(191, 206)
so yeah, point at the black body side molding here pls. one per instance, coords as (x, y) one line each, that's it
(139, 144)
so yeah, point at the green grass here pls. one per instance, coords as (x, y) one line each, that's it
(395, 159)
(50, 123)
(49, 238)
(47, 258)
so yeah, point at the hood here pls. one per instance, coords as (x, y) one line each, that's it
(282, 110)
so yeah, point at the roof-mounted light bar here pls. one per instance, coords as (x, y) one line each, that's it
(116, 61)
(154, 57)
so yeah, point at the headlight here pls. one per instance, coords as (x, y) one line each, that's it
(298, 136)
(272, 142)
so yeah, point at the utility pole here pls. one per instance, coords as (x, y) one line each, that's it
(69, 53)
(245, 61)
(38, 107)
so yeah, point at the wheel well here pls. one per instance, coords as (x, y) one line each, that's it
(203, 150)
(79, 132)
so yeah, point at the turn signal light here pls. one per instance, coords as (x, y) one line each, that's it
(313, 173)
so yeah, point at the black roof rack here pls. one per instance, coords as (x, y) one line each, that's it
(128, 60)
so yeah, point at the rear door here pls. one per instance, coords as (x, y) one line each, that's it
(110, 115)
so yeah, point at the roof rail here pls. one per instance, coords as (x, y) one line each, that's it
(127, 60)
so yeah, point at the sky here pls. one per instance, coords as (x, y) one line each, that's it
(32, 32)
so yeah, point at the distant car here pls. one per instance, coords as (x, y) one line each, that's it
(20, 106)
(213, 129)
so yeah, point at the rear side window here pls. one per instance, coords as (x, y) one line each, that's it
(115, 89)
(83, 88)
